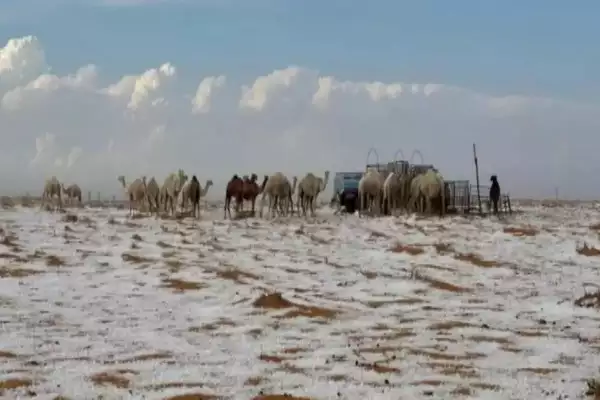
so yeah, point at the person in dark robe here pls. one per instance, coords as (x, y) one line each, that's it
(495, 193)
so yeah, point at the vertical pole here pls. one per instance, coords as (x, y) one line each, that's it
(477, 177)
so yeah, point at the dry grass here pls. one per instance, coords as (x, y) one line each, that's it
(589, 251)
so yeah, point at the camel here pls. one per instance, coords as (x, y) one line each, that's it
(170, 190)
(287, 205)
(72, 192)
(235, 188)
(153, 195)
(308, 189)
(278, 188)
(186, 192)
(370, 185)
(136, 191)
(251, 190)
(195, 193)
(52, 188)
(430, 185)
(392, 191)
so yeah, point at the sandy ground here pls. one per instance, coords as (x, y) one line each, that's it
(94, 304)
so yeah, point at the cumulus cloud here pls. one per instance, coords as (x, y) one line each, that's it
(293, 119)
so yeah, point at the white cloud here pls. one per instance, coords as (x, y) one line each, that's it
(291, 119)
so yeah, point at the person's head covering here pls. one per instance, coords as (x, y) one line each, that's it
(493, 178)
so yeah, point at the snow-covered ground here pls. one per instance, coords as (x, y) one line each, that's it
(333, 308)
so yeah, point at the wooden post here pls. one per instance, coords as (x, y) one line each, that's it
(477, 178)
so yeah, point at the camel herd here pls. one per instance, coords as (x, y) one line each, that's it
(396, 190)
(402, 190)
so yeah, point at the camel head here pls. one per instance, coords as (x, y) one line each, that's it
(209, 183)
(122, 180)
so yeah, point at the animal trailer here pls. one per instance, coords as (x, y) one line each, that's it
(345, 181)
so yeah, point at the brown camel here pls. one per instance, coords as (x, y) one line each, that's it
(251, 190)
(235, 188)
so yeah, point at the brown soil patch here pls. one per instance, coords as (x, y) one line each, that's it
(14, 272)
(588, 251)
(443, 248)
(539, 371)
(276, 301)
(589, 300)
(173, 385)
(54, 261)
(452, 369)
(192, 396)
(254, 381)
(236, 275)
(489, 339)
(436, 355)
(11, 384)
(446, 325)
(135, 258)
(70, 218)
(520, 231)
(412, 250)
(284, 396)
(428, 382)
(180, 285)
(7, 354)
(406, 301)
(164, 245)
(213, 326)
(144, 357)
(110, 379)
(475, 260)
(532, 333)
(441, 285)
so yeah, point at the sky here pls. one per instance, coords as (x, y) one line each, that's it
(94, 89)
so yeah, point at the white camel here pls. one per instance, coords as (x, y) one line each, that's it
(186, 192)
(72, 192)
(52, 188)
(308, 190)
(153, 196)
(278, 189)
(135, 192)
(370, 187)
(392, 191)
(170, 190)
(430, 185)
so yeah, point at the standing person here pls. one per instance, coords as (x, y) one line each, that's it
(495, 193)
